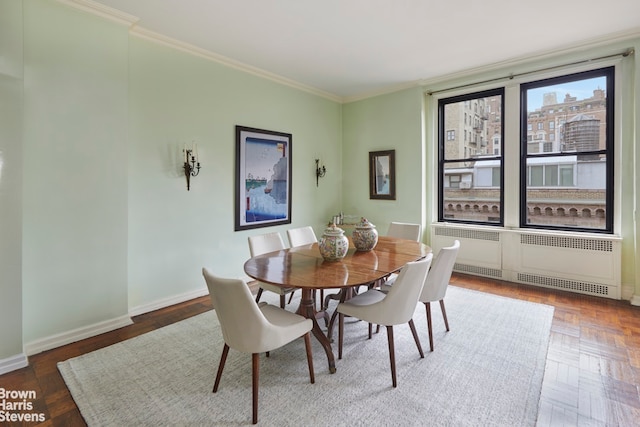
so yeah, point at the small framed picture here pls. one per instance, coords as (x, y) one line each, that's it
(382, 174)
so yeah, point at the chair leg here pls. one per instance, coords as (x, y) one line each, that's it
(223, 359)
(444, 314)
(415, 337)
(392, 355)
(283, 301)
(340, 333)
(291, 297)
(371, 329)
(259, 294)
(255, 359)
(307, 345)
(427, 306)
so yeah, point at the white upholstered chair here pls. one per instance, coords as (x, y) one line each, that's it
(301, 236)
(388, 309)
(435, 287)
(262, 244)
(405, 230)
(436, 284)
(251, 328)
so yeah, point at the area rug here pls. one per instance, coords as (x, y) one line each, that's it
(487, 371)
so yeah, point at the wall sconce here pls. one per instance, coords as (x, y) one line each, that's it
(191, 163)
(320, 171)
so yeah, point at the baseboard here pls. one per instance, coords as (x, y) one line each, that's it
(627, 291)
(75, 335)
(13, 363)
(166, 302)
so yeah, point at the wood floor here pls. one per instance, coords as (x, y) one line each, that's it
(592, 375)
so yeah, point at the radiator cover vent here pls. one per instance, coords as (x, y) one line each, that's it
(571, 285)
(481, 271)
(461, 233)
(567, 242)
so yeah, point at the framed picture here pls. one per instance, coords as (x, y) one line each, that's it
(382, 174)
(263, 178)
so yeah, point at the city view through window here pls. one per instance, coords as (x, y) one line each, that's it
(566, 146)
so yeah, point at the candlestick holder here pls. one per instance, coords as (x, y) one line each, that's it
(320, 171)
(191, 166)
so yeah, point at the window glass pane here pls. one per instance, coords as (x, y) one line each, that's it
(478, 121)
(581, 205)
(575, 112)
(471, 165)
(495, 179)
(473, 197)
(551, 176)
(566, 176)
(568, 156)
(535, 176)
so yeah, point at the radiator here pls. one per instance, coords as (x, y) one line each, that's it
(588, 265)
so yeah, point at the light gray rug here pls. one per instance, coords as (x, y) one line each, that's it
(487, 370)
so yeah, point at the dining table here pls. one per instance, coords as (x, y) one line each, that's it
(304, 267)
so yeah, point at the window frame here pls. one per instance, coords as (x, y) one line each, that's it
(608, 151)
(441, 132)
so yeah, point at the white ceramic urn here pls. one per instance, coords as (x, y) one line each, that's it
(333, 244)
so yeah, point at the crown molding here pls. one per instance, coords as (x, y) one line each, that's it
(122, 18)
(103, 11)
(203, 53)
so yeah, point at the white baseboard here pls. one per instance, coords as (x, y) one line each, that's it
(78, 334)
(13, 363)
(74, 335)
(166, 302)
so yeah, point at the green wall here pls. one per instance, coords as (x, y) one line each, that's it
(97, 222)
(388, 122)
(11, 83)
(176, 98)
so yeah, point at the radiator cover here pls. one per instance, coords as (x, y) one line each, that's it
(583, 264)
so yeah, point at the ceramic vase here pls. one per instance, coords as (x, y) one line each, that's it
(365, 235)
(333, 244)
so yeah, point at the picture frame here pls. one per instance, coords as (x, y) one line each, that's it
(263, 178)
(382, 175)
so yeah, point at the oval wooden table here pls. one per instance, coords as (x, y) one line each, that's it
(303, 267)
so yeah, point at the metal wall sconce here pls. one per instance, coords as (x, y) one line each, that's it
(191, 163)
(320, 171)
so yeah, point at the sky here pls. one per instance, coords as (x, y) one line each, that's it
(580, 89)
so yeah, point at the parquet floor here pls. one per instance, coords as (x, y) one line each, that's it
(592, 376)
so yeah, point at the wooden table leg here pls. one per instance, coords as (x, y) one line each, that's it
(307, 309)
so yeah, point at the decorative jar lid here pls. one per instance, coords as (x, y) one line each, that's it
(333, 230)
(364, 223)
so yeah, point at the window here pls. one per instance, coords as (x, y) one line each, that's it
(451, 135)
(565, 158)
(574, 172)
(469, 169)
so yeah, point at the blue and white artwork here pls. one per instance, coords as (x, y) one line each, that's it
(264, 169)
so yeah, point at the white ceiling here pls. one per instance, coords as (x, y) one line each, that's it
(353, 48)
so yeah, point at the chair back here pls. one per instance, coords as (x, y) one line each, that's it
(242, 323)
(400, 302)
(301, 236)
(405, 230)
(437, 280)
(264, 243)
